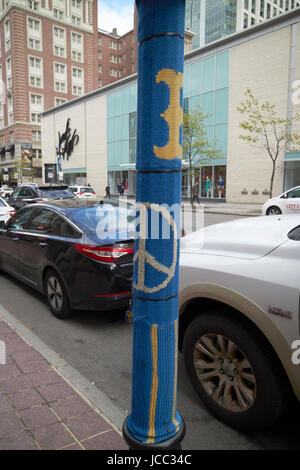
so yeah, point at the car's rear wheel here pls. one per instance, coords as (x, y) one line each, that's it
(56, 295)
(274, 210)
(234, 372)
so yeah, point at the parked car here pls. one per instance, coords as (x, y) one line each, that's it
(286, 203)
(239, 316)
(5, 192)
(83, 191)
(32, 193)
(5, 210)
(62, 249)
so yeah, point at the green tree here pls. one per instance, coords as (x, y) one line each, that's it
(196, 147)
(265, 129)
(24, 168)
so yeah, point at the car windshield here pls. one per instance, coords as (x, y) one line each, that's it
(55, 193)
(86, 190)
(104, 218)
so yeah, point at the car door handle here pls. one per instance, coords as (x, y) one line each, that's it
(43, 244)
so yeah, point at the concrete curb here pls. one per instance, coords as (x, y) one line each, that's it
(84, 387)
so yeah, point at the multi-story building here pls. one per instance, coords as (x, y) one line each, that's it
(117, 55)
(211, 20)
(48, 50)
(264, 58)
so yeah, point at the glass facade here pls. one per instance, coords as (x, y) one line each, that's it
(121, 138)
(206, 84)
(210, 20)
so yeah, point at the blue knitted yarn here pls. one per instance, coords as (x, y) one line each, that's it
(159, 147)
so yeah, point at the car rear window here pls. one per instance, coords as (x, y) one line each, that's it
(295, 234)
(55, 193)
(101, 218)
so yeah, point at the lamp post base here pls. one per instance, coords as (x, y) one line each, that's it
(174, 443)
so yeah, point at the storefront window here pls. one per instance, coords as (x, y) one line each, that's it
(220, 181)
(206, 185)
(292, 174)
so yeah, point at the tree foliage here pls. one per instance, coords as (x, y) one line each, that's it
(264, 128)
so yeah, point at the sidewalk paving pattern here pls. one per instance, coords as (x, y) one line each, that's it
(39, 409)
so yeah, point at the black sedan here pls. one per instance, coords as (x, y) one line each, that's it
(78, 253)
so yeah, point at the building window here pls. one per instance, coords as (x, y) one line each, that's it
(113, 58)
(10, 118)
(100, 83)
(100, 68)
(34, 25)
(113, 72)
(36, 153)
(59, 101)
(60, 69)
(11, 136)
(59, 33)
(33, 5)
(59, 51)
(99, 55)
(77, 56)
(112, 44)
(7, 35)
(77, 73)
(99, 41)
(34, 44)
(60, 86)
(76, 3)
(76, 20)
(35, 81)
(36, 136)
(77, 90)
(76, 39)
(59, 14)
(35, 118)
(35, 63)
(36, 99)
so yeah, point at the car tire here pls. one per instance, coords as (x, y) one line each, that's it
(274, 210)
(56, 295)
(256, 397)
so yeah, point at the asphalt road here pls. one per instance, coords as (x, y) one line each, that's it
(99, 345)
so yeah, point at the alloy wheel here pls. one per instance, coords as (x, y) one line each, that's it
(55, 293)
(225, 372)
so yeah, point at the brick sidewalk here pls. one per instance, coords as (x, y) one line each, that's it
(40, 410)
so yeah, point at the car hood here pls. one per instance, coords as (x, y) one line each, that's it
(249, 238)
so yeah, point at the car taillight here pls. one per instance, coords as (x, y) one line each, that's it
(93, 192)
(80, 193)
(39, 199)
(12, 212)
(108, 254)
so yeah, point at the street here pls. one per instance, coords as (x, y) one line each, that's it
(98, 345)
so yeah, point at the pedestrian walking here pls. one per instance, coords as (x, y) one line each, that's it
(107, 191)
(195, 193)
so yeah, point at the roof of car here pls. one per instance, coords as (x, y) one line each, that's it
(64, 205)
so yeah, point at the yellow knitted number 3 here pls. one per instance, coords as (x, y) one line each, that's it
(173, 115)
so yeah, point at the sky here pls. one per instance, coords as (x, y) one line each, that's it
(115, 14)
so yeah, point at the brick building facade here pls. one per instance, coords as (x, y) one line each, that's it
(48, 50)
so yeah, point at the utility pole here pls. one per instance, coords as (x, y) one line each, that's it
(154, 422)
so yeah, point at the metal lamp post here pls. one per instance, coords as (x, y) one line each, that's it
(154, 422)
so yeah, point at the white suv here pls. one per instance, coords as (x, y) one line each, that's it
(240, 317)
(85, 192)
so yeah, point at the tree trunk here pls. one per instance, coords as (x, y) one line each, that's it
(191, 185)
(272, 177)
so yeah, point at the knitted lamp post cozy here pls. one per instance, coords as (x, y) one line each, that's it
(154, 422)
